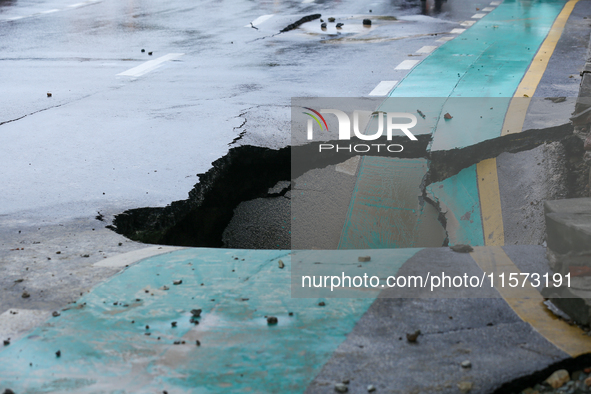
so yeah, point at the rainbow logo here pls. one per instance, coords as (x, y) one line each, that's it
(315, 118)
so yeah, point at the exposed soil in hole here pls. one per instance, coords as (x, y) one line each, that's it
(245, 173)
(248, 173)
(524, 382)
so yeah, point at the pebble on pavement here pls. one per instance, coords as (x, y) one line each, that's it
(461, 248)
(412, 338)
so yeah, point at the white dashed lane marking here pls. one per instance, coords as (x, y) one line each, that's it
(478, 16)
(150, 65)
(468, 23)
(406, 65)
(427, 49)
(445, 39)
(16, 18)
(488, 9)
(383, 88)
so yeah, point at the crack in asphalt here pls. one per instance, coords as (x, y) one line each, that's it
(247, 172)
(242, 133)
(289, 27)
(32, 113)
(53, 106)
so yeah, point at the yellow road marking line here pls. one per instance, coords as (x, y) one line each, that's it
(490, 202)
(527, 302)
(488, 181)
(518, 106)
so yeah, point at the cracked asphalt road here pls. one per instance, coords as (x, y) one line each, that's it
(109, 142)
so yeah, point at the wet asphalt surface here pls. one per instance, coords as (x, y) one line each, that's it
(106, 143)
(103, 143)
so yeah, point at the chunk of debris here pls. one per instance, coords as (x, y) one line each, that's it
(299, 22)
(197, 343)
(25, 295)
(341, 388)
(8, 391)
(367, 22)
(150, 53)
(177, 282)
(272, 320)
(558, 378)
(49, 94)
(18, 280)
(412, 338)
(331, 19)
(447, 116)
(340, 25)
(321, 303)
(462, 248)
(6, 342)
(196, 312)
(164, 288)
(421, 113)
(143, 50)
(364, 259)
(371, 388)
(465, 386)
(466, 364)
(281, 265)
(58, 353)
(323, 25)
(556, 99)
(55, 314)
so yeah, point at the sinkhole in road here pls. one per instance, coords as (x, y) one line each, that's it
(246, 199)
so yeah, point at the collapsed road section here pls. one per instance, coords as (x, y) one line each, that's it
(243, 201)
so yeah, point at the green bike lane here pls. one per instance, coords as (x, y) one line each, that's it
(135, 333)
(473, 78)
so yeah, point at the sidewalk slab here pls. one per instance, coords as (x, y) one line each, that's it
(568, 225)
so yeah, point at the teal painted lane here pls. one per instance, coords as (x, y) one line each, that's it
(457, 197)
(387, 210)
(104, 347)
(473, 120)
(488, 60)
